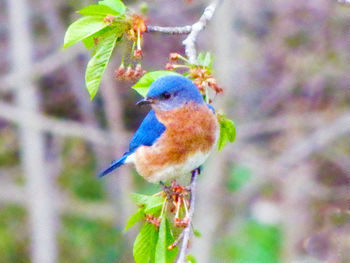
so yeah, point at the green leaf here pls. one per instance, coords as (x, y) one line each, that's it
(98, 10)
(83, 28)
(92, 40)
(227, 131)
(205, 60)
(134, 218)
(145, 243)
(151, 203)
(197, 233)
(190, 258)
(165, 239)
(143, 84)
(116, 5)
(99, 61)
(161, 243)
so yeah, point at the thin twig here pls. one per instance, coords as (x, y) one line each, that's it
(187, 230)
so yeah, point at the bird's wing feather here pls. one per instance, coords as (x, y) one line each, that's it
(148, 132)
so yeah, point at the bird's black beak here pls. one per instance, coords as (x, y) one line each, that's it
(145, 101)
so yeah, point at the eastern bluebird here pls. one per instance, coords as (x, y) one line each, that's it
(176, 136)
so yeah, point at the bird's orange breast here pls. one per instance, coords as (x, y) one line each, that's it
(189, 130)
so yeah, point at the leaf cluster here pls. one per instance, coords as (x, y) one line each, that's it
(100, 28)
(151, 244)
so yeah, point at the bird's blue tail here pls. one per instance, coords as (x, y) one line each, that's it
(115, 164)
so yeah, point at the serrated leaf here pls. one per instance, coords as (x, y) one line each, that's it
(143, 84)
(134, 218)
(165, 239)
(145, 243)
(151, 204)
(116, 5)
(83, 28)
(99, 61)
(98, 10)
(227, 131)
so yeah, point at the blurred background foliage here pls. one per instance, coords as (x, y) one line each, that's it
(280, 193)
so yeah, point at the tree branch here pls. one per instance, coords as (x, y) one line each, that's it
(192, 31)
(187, 230)
(170, 30)
(190, 41)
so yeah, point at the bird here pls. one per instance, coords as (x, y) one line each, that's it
(177, 135)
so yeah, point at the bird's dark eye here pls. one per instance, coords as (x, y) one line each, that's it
(166, 95)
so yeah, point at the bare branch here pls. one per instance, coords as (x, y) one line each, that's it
(192, 31)
(170, 30)
(187, 231)
(190, 41)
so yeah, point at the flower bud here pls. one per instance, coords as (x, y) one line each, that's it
(169, 66)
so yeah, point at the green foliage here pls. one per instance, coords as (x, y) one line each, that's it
(135, 218)
(145, 244)
(254, 242)
(151, 204)
(165, 239)
(151, 244)
(197, 233)
(99, 61)
(83, 28)
(227, 131)
(98, 10)
(143, 84)
(116, 5)
(8, 147)
(100, 34)
(205, 60)
(78, 176)
(190, 258)
(13, 235)
(239, 176)
(84, 240)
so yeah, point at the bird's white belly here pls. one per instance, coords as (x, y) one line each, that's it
(175, 171)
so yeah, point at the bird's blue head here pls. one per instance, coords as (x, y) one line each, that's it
(170, 92)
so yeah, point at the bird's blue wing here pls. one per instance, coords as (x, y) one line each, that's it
(148, 132)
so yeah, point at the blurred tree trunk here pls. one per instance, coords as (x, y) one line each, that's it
(39, 186)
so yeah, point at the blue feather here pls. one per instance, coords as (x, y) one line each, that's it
(148, 132)
(115, 164)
